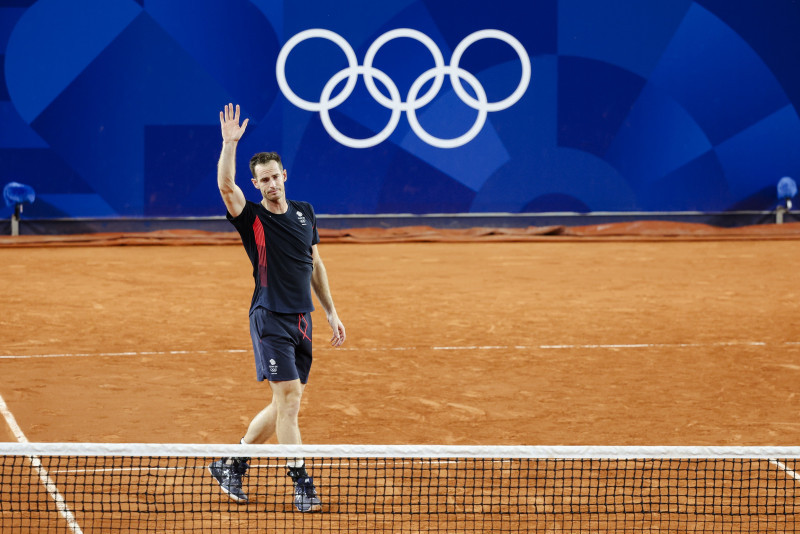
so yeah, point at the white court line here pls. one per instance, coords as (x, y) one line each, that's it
(385, 349)
(12, 422)
(785, 469)
(657, 345)
(115, 354)
(36, 463)
(574, 346)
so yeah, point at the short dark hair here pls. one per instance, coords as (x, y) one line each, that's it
(262, 158)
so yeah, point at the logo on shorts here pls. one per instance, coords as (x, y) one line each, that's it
(273, 366)
(301, 217)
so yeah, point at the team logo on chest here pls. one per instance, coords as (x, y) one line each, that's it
(301, 217)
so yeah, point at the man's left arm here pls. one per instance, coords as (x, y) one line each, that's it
(319, 283)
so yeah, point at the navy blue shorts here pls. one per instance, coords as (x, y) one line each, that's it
(281, 345)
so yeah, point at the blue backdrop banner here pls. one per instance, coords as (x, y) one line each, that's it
(110, 108)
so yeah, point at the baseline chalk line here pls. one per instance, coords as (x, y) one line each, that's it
(39, 469)
(116, 354)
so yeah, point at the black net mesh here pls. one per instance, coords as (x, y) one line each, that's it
(173, 493)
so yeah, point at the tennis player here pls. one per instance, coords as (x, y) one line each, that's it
(280, 237)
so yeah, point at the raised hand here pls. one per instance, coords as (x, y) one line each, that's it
(229, 122)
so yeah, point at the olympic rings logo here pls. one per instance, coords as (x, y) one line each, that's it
(413, 100)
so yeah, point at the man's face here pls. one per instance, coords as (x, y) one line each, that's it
(269, 180)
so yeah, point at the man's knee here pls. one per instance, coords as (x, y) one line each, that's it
(290, 407)
(287, 397)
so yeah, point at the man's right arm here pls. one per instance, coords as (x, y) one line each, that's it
(231, 193)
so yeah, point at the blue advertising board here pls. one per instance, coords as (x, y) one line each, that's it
(110, 108)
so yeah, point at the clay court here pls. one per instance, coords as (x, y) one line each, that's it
(495, 339)
(643, 334)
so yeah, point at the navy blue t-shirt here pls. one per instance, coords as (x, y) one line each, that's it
(279, 247)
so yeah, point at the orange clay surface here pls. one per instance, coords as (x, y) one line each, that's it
(536, 343)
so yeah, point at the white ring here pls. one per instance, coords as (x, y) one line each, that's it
(280, 68)
(370, 141)
(510, 40)
(438, 61)
(462, 139)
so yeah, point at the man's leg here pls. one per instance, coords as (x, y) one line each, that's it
(266, 332)
(228, 472)
(286, 396)
(285, 402)
(262, 427)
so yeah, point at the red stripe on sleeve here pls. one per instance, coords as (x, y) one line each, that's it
(258, 230)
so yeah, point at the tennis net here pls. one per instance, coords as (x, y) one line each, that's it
(83, 488)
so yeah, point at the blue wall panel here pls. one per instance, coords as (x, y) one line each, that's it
(109, 108)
